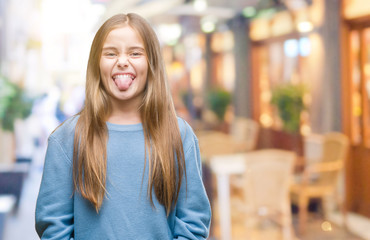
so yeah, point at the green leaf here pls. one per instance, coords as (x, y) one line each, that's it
(14, 104)
(288, 99)
(218, 100)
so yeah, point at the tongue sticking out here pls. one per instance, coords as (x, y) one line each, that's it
(123, 83)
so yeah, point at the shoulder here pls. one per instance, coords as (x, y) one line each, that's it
(66, 128)
(188, 136)
(64, 133)
(60, 142)
(185, 129)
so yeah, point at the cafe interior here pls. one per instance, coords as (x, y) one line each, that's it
(276, 91)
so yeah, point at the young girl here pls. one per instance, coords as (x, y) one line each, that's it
(125, 167)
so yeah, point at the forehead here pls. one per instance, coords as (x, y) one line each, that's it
(124, 35)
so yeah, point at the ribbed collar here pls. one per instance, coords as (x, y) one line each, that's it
(124, 128)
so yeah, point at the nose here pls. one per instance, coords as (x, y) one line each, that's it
(122, 61)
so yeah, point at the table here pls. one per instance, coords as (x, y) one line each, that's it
(223, 166)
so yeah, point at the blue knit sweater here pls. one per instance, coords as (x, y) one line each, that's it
(126, 212)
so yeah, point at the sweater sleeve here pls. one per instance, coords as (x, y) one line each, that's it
(54, 207)
(193, 211)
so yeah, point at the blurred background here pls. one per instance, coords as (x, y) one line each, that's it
(248, 75)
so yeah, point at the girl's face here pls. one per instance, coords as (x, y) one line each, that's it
(124, 66)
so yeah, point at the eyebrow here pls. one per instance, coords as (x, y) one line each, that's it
(136, 48)
(109, 48)
(130, 48)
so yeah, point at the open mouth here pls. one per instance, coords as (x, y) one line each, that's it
(123, 81)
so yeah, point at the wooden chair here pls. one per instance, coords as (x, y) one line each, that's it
(242, 138)
(213, 143)
(267, 179)
(320, 178)
(245, 132)
(312, 148)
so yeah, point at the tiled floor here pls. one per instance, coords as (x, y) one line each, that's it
(20, 226)
(317, 228)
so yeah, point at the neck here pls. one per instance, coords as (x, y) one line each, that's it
(124, 119)
(124, 113)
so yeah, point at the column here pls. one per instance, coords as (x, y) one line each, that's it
(331, 112)
(242, 98)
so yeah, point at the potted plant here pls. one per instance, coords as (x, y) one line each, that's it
(14, 104)
(218, 100)
(288, 99)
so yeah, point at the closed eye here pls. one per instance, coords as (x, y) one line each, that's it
(136, 54)
(109, 51)
(110, 54)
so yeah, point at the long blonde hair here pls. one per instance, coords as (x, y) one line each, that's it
(162, 136)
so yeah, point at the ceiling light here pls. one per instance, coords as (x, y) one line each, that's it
(208, 24)
(305, 26)
(169, 33)
(208, 27)
(200, 5)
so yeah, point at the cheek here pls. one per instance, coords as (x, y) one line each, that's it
(145, 69)
(141, 65)
(103, 68)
